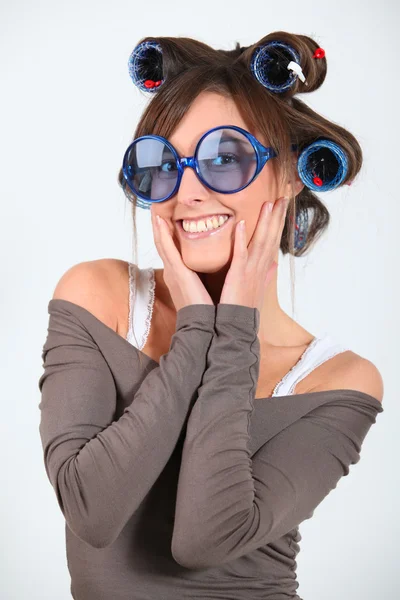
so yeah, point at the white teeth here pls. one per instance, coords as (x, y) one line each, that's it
(211, 223)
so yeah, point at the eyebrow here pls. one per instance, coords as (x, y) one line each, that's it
(236, 139)
(226, 138)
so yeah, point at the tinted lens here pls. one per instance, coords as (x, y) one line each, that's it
(227, 160)
(151, 168)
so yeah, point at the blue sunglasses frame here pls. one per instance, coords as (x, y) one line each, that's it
(263, 155)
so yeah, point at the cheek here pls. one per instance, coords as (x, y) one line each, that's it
(249, 204)
(165, 213)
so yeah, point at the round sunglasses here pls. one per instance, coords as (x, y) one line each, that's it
(227, 159)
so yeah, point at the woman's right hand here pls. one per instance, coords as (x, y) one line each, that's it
(185, 286)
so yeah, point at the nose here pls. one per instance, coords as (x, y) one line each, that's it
(191, 188)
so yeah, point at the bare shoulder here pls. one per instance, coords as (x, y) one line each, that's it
(96, 285)
(352, 371)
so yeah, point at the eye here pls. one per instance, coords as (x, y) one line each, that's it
(168, 166)
(226, 159)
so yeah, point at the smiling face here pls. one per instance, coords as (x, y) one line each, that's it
(210, 253)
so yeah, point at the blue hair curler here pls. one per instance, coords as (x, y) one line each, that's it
(322, 166)
(276, 65)
(145, 66)
(301, 228)
(141, 204)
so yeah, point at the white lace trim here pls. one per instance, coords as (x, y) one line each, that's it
(132, 297)
(141, 281)
(150, 306)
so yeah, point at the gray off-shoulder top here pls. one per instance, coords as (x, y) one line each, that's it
(175, 483)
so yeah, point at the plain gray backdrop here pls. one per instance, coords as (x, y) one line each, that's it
(68, 112)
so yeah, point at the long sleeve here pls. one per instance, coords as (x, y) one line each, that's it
(229, 503)
(102, 468)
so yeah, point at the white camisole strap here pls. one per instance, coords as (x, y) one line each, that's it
(141, 304)
(318, 351)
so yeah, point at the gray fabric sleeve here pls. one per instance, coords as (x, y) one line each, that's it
(102, 468)
(229, 503)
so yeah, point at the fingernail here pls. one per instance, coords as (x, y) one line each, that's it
(270, 206)
(158, 219)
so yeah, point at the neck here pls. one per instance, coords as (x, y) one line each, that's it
(277, 329)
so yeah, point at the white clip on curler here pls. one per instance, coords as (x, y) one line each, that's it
(293, 66)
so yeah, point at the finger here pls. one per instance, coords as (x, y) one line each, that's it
(171, 252)
(157, 237)
(240, 244)
(263, 237)
(277, 222)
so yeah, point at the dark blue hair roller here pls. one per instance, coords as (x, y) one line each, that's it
(145, 66)
(276, 65)
(301, 228)
(322, 166)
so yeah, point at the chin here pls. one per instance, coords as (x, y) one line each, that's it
(201, 261)
(205, 264)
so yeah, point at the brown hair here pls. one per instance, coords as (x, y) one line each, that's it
(190, 67)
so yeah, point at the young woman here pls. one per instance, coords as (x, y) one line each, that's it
(189, 424)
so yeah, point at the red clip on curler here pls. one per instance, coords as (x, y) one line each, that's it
(319, 53)
(151, 84)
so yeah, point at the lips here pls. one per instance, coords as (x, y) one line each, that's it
(202, 234)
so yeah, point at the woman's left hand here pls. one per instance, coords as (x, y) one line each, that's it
(252, 267)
